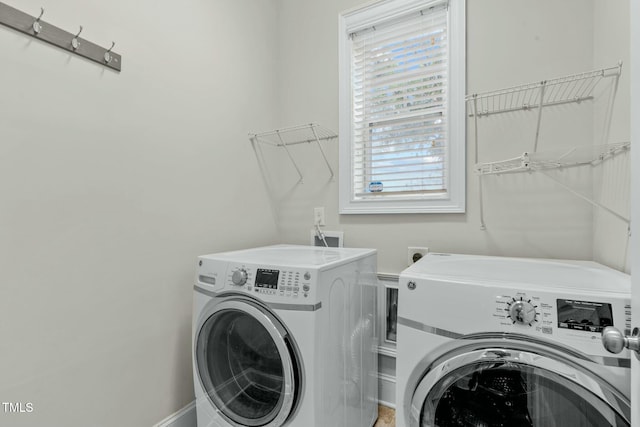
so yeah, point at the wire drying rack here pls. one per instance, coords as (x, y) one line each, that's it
(574, 88)
(553, 159)
(295, 135)
(534, 97)
(530, 96)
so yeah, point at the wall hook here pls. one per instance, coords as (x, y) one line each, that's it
(107, 54)
(36, 24)
(75, 43)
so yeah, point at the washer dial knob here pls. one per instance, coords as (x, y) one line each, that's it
(522, 312)
(239, 277)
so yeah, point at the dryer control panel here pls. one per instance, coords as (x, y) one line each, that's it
(580, 315)
(561, 318)
(525, 310)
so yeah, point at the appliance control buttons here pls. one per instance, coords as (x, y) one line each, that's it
(307, 276)
(521, 311)
(306, 287)
(411, 285)
(239, 277)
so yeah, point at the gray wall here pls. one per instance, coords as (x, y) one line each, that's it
(111, 185)
(611, 42)
(508, 43)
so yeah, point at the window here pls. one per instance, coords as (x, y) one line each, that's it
(402, 123)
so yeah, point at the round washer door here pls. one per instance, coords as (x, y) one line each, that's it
(516, 388)
(247, 363)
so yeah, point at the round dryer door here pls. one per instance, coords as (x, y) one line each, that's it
(497, 387)
(247, 364)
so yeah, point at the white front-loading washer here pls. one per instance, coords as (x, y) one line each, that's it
(285, 336)
(493, 341)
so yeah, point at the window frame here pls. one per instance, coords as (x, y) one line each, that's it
(453, 201)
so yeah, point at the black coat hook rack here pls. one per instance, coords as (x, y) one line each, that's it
(37, 28)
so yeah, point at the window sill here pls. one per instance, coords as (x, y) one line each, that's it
(365, 208)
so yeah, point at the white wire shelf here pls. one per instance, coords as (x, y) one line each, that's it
(553, 159)
(294, 135)
(561, 158)
(532, 96)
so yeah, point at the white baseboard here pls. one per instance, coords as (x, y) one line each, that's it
(387, 390)
(185, 417)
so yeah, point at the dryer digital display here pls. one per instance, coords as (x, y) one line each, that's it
(267, 278)
(584, 315)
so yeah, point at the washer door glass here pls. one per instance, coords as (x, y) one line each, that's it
(511, 394)
(245, 366)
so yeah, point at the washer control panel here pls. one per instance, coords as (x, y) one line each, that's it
(288, 283)
(239, 277)
(266, 279)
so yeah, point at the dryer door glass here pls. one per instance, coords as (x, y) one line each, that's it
(506, 393)
(245, 366)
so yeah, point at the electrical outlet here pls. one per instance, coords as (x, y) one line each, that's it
(414, 253)
(318, 216)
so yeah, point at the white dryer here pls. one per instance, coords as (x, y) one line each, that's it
(284, 336)
(492, 341)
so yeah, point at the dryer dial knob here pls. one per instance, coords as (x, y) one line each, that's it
(523, 312)
(239, 277)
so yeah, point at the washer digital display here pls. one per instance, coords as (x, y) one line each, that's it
(267, 278)
(584, 315)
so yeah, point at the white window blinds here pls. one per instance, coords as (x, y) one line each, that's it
(399, 111)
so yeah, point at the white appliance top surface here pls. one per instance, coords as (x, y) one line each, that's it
(294, 256)
(534, 273)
